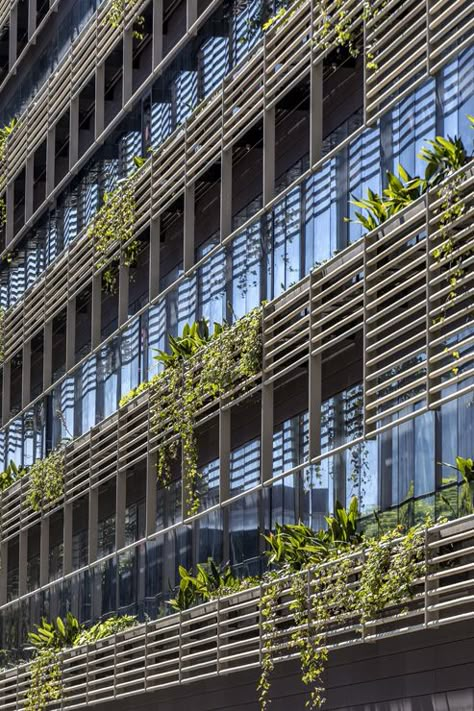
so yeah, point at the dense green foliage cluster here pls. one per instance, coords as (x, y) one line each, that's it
(114, 224)
(49, 639)
(201, 364)
(338, 589)
(46, 480)
(116, 16)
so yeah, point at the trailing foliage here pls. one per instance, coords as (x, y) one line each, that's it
(200, 365)
(117, 13)
(46, 480)
(112, 224)
(390, 567)
(49, 639)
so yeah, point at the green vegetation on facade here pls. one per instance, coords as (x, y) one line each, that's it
(338, 591)
(117, 13)
(49, 640)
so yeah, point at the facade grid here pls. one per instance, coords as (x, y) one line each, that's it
(226, 143)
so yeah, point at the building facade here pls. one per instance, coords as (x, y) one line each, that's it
(222, 145)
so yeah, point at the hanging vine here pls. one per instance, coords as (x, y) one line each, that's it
(46, 480)
(231, 355)
(332, 593)
(114, 223)
(49, 640)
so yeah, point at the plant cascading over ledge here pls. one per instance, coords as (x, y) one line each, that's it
(49, 640)
(317, 570)
(445, 159)
(201, 365)
(114, 223)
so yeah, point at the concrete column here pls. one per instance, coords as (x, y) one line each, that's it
(67, 537)
(266, 447)
(10, 205)
(96, 310)
(44, 551)
(74, 132)
(266, 450)
(120, 508)
(47, 354)
(268, 155)
(191, 13)
(70, 333)
(157, 41)
(50, 160)
(6, 386)
(124, 279)
(127, 73)
(12, 40)
(26, 374)
(93, 523)
(99, 100)
(23, 562)
(316, 113)
(188, 249)
(226, 193)
(225, 419)
(29, 186)
(151, 494)
(32, 10)
(315, 390)
(3, 573)
(154, 268)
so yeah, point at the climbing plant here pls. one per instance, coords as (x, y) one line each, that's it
(445, 158)
(46, 480)
(114, 223)
(116, 16)
(333, 591)
(200, 366)
(48, 641)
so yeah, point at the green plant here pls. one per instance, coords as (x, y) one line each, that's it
(192, 339)
(400, 192)
(46, 480)
(200, 366)
(100, 630)
(342, 525)
(445, 158)
(146, 385)
(116, 16)
(114, 224)
(297, 546)
(10, 475)
(334, 591)
(465, 467)
(49, 639)
(210, 580)
(45, 671)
